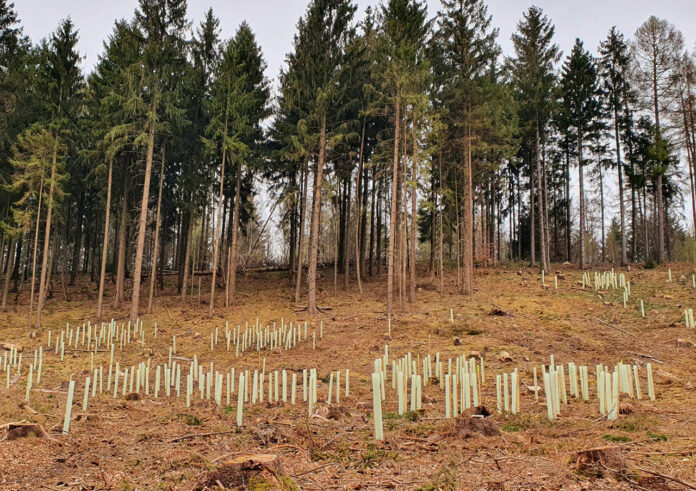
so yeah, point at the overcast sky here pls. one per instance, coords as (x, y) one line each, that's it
(274, 20)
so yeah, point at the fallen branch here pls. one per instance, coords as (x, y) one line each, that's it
(195, 435)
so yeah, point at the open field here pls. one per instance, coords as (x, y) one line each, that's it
(159, 443)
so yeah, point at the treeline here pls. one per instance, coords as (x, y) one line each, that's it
(400, 139)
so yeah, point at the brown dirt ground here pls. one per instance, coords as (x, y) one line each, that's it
(129, 445)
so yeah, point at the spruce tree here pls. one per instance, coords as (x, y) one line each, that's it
(613, 64)
(580, 104)
(403, 62)
(466, 53)
(316, 66)
(239, 104)
(533, 79)
(163, 23)
(60, 84)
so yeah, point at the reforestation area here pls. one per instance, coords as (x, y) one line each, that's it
(410, 260)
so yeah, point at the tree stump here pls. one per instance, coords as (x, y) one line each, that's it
(596, 462)
(251, 470)
(23, 430)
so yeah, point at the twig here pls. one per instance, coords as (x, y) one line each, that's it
(14, 423)
(670, 478)
(26, 406)
(647, 356)
(617, 328)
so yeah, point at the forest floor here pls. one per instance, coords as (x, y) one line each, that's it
(161, 444)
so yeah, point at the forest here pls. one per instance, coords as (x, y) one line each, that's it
(401, 182)
(408, 140)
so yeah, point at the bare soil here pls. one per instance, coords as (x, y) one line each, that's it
(160, 444)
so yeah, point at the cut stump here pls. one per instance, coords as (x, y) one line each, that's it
(597, 461)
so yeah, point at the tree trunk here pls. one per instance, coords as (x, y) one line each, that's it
(414, 217)
(532, 220)
(232, 272)
(457, 229)
(162, 254)
(105, 244)
(36, 248)
(660, 200)
(203, 240)
(540, 201)
(646, 243)
(619, 171)
(363, 220)
(218, 224)
(378, 230)
(142, 223)
(601, 207)
(468, 218)
(47, 234)
(692, 140)
(373, 209)
(393, 211)
(314, 227)
(300, 247)
(582, 202)
(440, 209)
(346, 236)
(433, 200)
(8, 274)
(569, 236)
(690, 162)
(545, 198)
(403, 222)
(337, 242)
(292, 266)
(121, 268)
(153, 271)
(78, 240)
(187, 258)
(519, 217)
(359, 219)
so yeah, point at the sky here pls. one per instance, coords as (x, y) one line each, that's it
(274, 20)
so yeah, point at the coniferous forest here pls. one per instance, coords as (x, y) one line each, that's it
(400, 166)
(408, 140)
